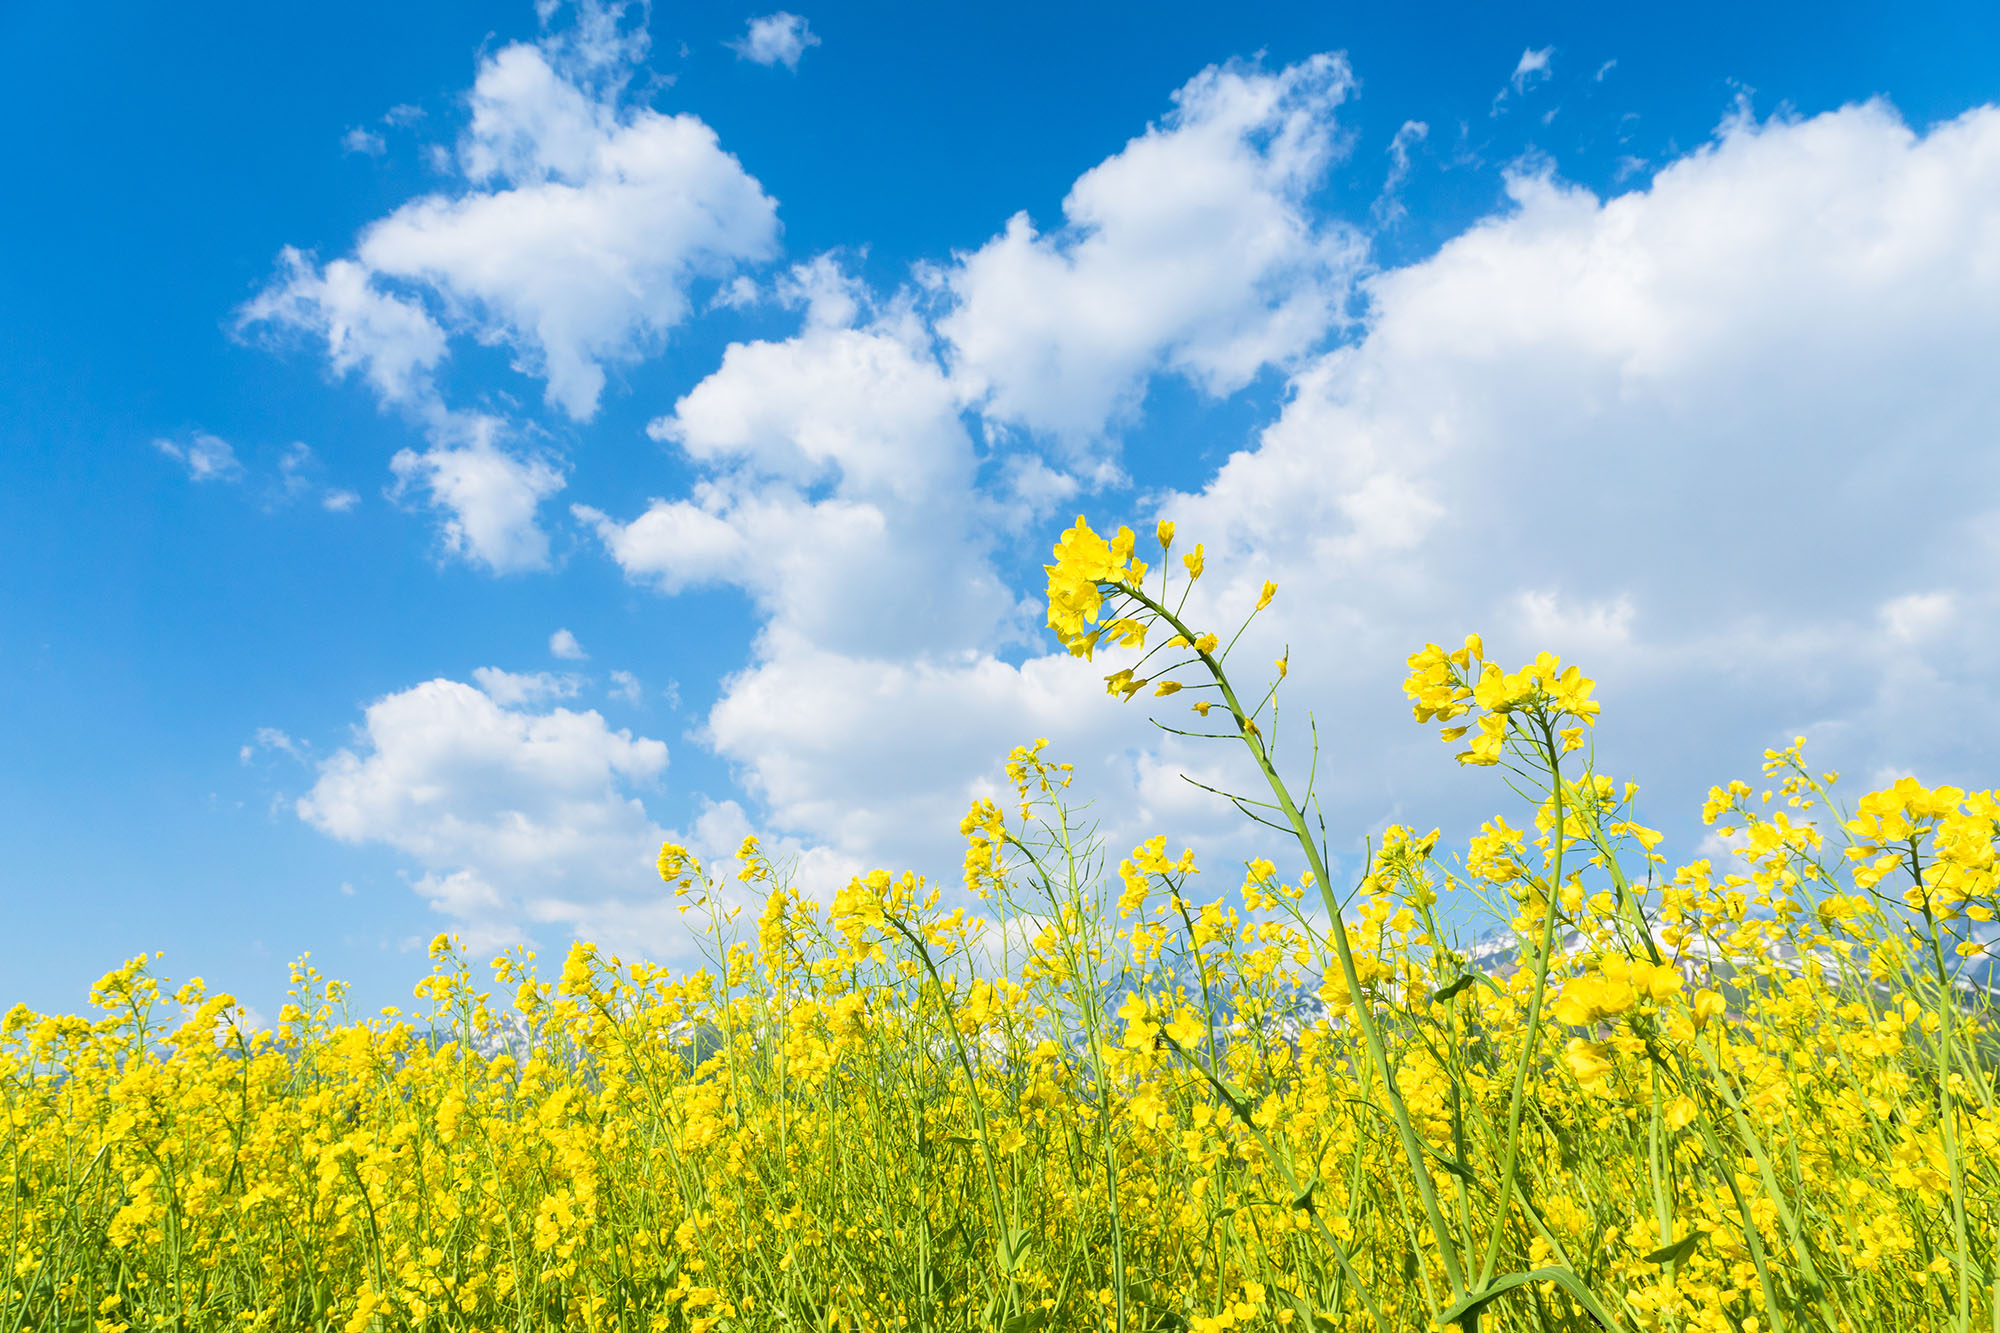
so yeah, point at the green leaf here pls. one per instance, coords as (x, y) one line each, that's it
(1013, 1247)
(1455, 989)
(1305, 1199)
(1500, 1286)
(1674, 1253)
(1452, 1165)
(1025, 1323)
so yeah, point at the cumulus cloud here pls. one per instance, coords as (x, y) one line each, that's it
(878, 757)
(1917, 616)
(563, 644)
(578, 221)
(1059, 332)
(583, 231)
(775, 39)
(526, 822)
(206, 457)
(833, 464)
(391, 341)
(486, 495)
(365, 141)
(1652, 432)
(512, 815)
(1655, 431)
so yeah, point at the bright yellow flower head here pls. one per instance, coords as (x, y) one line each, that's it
(1085, 562)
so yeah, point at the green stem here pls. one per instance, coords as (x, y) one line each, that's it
(1364, 1018)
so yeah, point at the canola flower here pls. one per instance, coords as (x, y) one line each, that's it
(1080, 1096)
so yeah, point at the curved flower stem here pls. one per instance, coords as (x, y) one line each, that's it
(1371, 1034)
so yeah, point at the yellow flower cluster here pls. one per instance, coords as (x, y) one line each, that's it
(1446, 685)
(1084, 563)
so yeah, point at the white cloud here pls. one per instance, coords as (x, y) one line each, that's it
(1641, 431)
(206, 457)
(563, 644)
(1059, 332)
(834, 464)
(488, 497)
(392, 341)
(299, 471)
(1598, 628)
(294, 467)
(1916, 616)
(1531, 69)
(522, 819)
(365, 141)
(577, 226)
(596, 223)
(775, 39)
(1388, 208)
(1687, 400)
(878, 757)
(511, 815)
(271, 738)
(511, 689)
(625, 687)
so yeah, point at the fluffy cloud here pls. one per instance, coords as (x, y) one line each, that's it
(590, 226)
(486, 495)
(1058, 333)
(563, 644)
(391, 340)
(578, 224)
(838, 490)
(775, 39)
(1696, 434)
(1705, 436)
(524, 818)
(512, 815)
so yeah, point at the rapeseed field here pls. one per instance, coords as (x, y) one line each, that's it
(1719, 1098)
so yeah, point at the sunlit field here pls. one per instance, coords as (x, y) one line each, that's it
(1106, 1088)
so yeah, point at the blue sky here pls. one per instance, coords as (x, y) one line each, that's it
(349, 357)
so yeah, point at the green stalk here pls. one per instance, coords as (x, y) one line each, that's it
(1364, 1018)
(1512, 1163)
